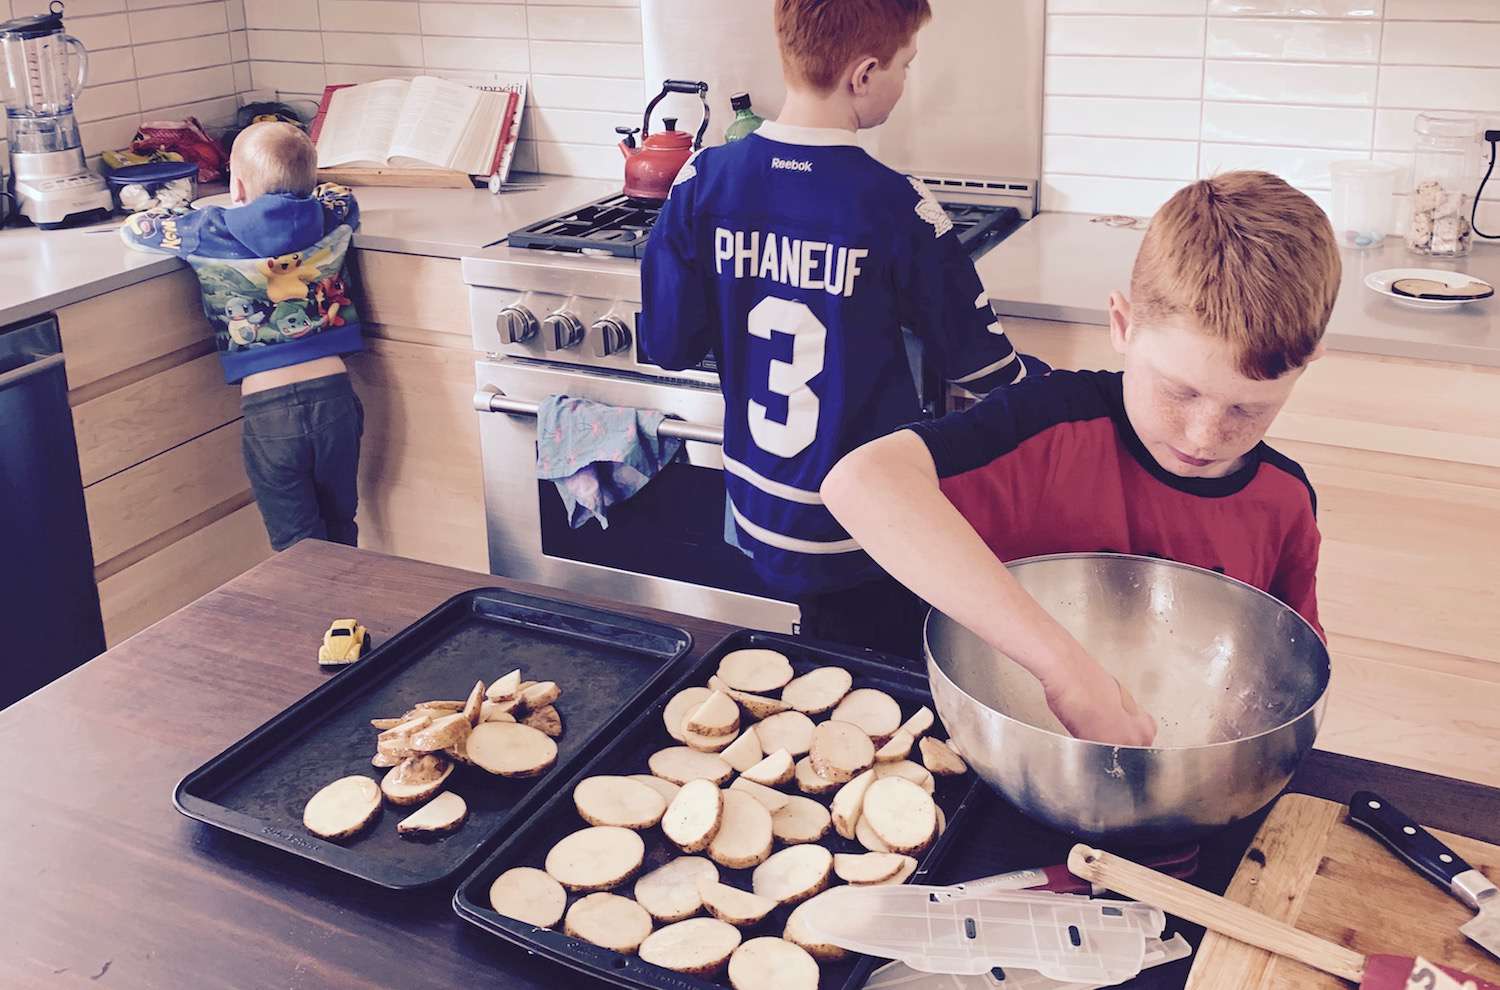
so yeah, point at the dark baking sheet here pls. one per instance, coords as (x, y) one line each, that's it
(606, 664)
(628, 753)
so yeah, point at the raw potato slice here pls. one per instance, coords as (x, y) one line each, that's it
(940, 759)
(919, 723)
(505, 688)
(796, 932)
(865, 836)
(908, 867)
(343, 808)
(475, 704)
(460, 753)
(382, 761)
(860, 868)
(794, 874)
(757, 706)
(840, 751)
(744, 752)
(406, 727)
(665, 788)
(683, 703)
(808, 781)
(700, 946)
(907, 770)
(817, 691)
(609, 921)
(670, 892)
(849, 801)
(497, 711)
(530, 895)
(618, 801)
(510, 749)
(717, 716)
(898, 749)
(385, 723)
(738, 907)
(545, 720)
(443, 814)
(772, 964)
(901, 814)
(942, 821)
(791, 731)
(705, 744)
(800, 820)
(540, 695)
(416, 779)
(598, 858)
(436, 708)
(775, 770)
(442, 733)
(873, 711)
(695, 815)
(773, 800)
(679, 764)
(744, 836)
(756, 671)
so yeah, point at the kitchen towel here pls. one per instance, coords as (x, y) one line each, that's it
(598, 455)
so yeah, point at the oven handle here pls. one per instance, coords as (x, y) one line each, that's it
(498, 402)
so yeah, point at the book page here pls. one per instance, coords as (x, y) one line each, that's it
(476, 155)
(360, 124)
(433, 122)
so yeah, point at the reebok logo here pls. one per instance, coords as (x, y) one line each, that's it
(791, 165)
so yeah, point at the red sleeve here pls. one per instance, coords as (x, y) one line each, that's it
(1296, 580)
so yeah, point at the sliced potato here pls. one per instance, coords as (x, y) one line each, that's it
(397, 748)
(683, 703)
(700, 946)
(343, 809)
(756, 671)
(597, 858)
(618, 801)
(679, 764)
(510, 749)
(475, 704)
(415, 779)
(737, 907)
(744, 752)
(907, 770)
(383, 761)
(665, 788)
(942, 820)
(939, 758)
(757, 706)
(797, 933)
(608, 921)
(818, 691)
(498, 711)
(460, 752)
(717, 716)
(530, 895)
(407, 726)
(436, 708)
(774, 800)
(908, 867)
(901, 813)
(695, 815)
(545, 720)
(794, 874)
(873, 711)
(775, 770)
(443, 814)
(705, 744)
(865, 836)
(772, 964)
(860, 868)
(442, 733)
(744, 836)
(505, 688)
(840, 751)
(848, 802)
(919, 723)
(670, 893)
(800, 820)
(791, 731)
(896, 749)
(386, 723)
(539, 695)
(808, 781)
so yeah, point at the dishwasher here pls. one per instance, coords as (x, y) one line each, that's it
(49, 605)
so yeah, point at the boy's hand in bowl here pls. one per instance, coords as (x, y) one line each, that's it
(1091, 704)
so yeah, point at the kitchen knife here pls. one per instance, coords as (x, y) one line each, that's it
(1435, 861)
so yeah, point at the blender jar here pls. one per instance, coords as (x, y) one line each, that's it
(1444, 174)
(35, 76)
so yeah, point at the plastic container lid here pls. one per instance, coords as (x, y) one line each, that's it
(152, 172)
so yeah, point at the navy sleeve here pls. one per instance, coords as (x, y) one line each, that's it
(167, 230)
(675, 329)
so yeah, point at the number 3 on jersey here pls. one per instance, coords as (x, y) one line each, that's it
(789, 378)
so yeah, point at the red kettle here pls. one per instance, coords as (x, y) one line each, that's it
(651, 166)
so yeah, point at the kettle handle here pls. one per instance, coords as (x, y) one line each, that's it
(83, 66)
(679, 86)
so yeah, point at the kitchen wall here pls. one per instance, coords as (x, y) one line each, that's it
(1142, 95)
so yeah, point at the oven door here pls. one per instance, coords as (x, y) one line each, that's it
(664, 546)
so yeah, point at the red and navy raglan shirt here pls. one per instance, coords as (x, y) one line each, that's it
(1052, 465)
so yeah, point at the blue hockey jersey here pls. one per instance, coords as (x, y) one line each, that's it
(797, 258)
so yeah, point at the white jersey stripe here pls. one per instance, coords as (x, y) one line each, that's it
(986, 370)
(791, 543)
(782, 491)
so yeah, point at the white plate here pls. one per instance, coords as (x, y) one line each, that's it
(218, 199)
(1381, 282)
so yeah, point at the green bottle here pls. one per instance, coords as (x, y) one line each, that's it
(745, 120)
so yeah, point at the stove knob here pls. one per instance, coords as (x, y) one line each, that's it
(611, 336)
(516, 324)
(561, 330)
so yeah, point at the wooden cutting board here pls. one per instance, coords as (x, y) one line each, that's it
(1311, 868)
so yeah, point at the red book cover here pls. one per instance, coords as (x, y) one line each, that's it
(505, 129)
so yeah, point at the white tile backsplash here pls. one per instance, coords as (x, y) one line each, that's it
(471, 20)
(1287, 86)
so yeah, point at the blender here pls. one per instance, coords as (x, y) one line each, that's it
(49, 179)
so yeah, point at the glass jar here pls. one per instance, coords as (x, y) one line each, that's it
(1444, 175)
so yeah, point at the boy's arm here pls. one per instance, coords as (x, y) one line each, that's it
(165, 230)
(674, 323)
(886, 494)
(1296, 580)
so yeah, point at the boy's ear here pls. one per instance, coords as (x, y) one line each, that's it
(1119, 321)
(859, 78)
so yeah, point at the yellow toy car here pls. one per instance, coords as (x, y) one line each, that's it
(344, 642)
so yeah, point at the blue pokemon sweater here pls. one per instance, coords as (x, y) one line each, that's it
(271, 272)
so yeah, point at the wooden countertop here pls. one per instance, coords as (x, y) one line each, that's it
(105, 884)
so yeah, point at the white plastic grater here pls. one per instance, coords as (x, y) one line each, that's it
(899, 976)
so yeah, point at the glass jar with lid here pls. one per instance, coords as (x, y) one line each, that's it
(1444, 173)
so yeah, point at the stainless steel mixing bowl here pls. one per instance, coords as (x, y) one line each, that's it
(1237, 681)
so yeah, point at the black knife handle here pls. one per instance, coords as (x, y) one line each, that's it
(1410, 841)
